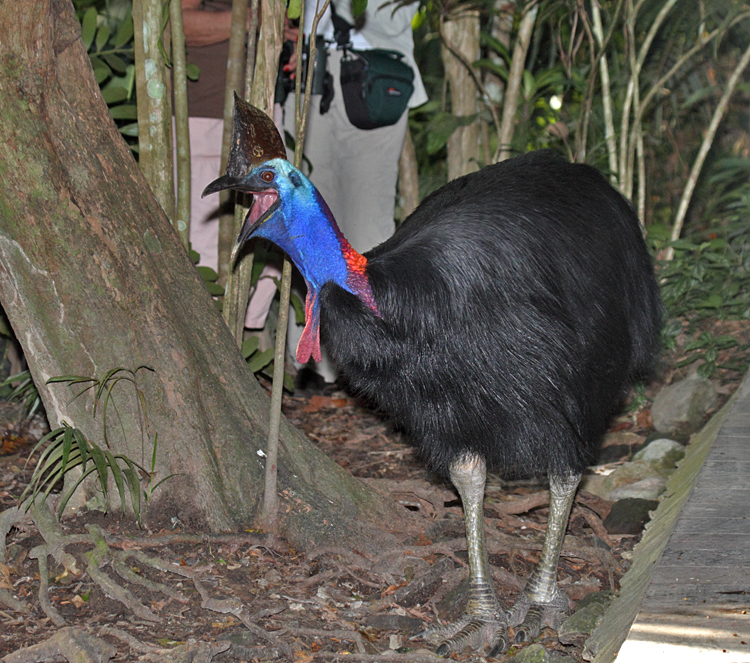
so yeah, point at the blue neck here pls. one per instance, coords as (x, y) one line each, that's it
(305, 229)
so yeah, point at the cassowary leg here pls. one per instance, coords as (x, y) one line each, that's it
(542, 603)
(483, 626)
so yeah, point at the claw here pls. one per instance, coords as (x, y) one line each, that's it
(485, 636)
(530, 617)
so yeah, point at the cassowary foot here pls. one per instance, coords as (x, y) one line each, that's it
(482, 628)
(529, 617)
(487, 637)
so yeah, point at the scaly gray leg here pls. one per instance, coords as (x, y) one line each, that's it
(483, 626)
(542, 603)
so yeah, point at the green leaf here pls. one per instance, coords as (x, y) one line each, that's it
(214, 289)
(207, 273)
(88, 27)
(193, 72)
(124, 112)
(358, 7)
(496, 45)
(100, 462)
(117, 475)
(116, 62)
(82, 445)
(260, 360)
(495, 67)
(712, 301)
(124, 32)
(294, 9)
(249, 345)
(101, 72)
(134, 485)
(130, 130)
(102, 37)
(299, 309)
(65, 498)
(114, 95)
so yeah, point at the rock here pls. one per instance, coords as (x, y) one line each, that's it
(586, 617)
(68, 644)
(628, 516)
(628, 473)
(595, 484)
(646, 489)
(662, 454)
(619, 444)
(683, 405)
(531, 654)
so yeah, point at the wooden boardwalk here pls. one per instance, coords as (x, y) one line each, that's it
(690, 590)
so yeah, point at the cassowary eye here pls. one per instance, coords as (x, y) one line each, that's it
(267, 176)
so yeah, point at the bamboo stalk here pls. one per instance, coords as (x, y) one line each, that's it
(266, 69)
(708, 139)
(625, 170)
(154, 104)
(182, 132)
(609, 122)
(515, 78)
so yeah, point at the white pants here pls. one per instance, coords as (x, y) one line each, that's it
(205, 163)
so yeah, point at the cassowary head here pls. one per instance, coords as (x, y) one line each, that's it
(290, 212)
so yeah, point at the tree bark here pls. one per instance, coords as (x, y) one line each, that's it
(92, 277)
(461, 32)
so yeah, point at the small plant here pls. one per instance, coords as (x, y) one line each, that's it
(20, 387)
(67, 448)
(706, 347)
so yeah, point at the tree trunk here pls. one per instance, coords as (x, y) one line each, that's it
(461, 32)
(92, 277)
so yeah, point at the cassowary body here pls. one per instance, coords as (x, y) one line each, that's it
(499, 326)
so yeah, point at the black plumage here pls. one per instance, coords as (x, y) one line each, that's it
(517, 304)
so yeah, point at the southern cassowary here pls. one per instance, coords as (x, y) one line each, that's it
(498, 327)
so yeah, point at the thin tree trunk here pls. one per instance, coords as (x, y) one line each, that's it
(461, 31)
(408, 177)
(93, 277)
(154, 104)
(182, 131)
(708, 140)
(515, 78)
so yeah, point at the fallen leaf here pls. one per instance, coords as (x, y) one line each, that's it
(317, 403)
(78, 601)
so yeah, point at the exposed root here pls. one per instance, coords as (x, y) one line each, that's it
(10, 601)
(192, 652)
(69, 644)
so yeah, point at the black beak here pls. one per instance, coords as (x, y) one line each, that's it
(223, 182)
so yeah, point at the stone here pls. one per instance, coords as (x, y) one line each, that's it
(662, 454)
(629, 516)
(684, 405)
(647, 489)
(595, 484)
(586, 617)
(628, 473)
(531, 654)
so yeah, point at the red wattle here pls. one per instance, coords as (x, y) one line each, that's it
(309, 342)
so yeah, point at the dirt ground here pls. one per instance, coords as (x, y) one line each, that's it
(180, 596)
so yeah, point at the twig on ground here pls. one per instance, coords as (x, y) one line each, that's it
(40, 554)
(10, 601)
(323, 633)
